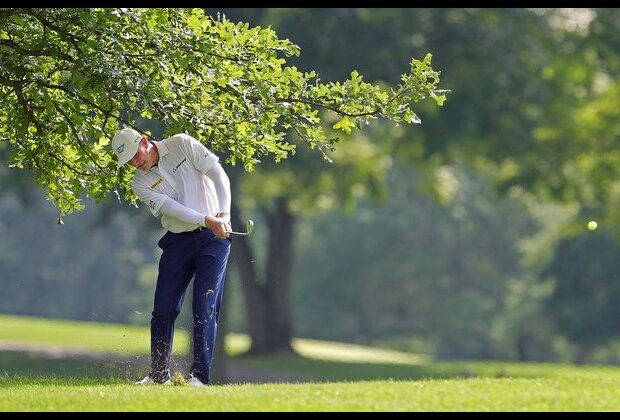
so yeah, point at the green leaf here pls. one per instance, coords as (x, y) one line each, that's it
(345, 124)
(411, 117)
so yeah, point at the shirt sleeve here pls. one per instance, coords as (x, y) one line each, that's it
(201, 157)
(179, 211)
(153, 199)
(222, 186)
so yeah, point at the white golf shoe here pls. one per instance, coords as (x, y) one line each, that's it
(149, 381)
(193, 381)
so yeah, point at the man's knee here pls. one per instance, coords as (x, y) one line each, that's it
(165, 314)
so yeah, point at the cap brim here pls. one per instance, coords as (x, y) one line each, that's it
(121, 163)
(127, 156)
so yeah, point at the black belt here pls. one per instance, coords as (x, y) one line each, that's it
(195, 231)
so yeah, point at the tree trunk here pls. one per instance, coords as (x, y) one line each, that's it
(279, 263)
(523, 341)
(267, 308)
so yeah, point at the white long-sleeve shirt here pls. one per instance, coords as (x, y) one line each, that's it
(187, 184)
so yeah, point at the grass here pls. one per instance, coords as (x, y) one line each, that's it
(116, 339)
(345, 378)
(481, 394)
(35, 365)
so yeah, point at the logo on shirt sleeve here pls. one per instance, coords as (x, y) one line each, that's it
(157, 183)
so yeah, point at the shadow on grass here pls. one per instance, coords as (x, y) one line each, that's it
(34, 367)
(37, 368)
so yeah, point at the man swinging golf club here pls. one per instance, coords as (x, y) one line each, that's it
(182, 182)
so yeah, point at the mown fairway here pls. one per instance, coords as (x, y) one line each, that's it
(337, 378)
(589, 392)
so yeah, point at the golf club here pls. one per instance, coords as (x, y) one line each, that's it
(249, 227)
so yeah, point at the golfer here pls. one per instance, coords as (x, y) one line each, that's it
(182, 182)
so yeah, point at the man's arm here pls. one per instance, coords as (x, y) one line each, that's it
(222, 187)
(208, 164)
(160, 203)
(220, 224)
(185, 214)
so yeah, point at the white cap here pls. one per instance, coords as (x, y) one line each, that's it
(125, 145)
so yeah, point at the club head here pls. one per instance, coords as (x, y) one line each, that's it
(249, 227)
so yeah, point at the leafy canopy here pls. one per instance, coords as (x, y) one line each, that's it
(70, 78)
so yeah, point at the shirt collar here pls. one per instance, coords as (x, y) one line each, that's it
(161, 148)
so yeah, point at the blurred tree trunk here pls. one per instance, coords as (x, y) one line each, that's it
(267, 306)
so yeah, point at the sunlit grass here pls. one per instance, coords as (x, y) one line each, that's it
(352, 353)
(117, 339)
(484, 394)
(237, 344)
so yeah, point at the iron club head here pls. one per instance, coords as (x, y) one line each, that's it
(249, 228)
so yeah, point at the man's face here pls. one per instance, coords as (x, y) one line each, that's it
(143, 159)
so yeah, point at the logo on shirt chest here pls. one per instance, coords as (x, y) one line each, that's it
(174, 170)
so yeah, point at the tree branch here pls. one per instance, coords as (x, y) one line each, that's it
(4, 13)
(77, 136)
(337, 110)
(31, 53)
(105, 112)
(398, 95)
(42, 129)
(72, 38)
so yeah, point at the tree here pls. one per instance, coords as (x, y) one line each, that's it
(71, 77)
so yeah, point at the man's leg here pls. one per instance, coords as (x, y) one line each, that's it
(207, 300)
(176, 268)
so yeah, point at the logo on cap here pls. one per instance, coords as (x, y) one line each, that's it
(120, 149)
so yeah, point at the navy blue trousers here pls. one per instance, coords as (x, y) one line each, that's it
(184, 256)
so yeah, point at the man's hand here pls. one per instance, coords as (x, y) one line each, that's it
(219, 225)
